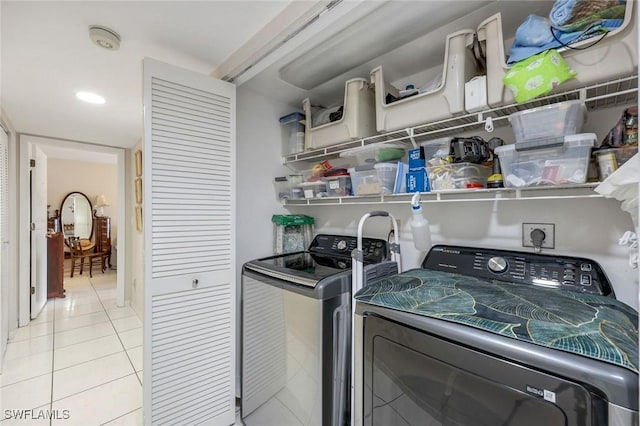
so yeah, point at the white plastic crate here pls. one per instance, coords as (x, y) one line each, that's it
(614, 57)
(443, 102)
(560, 162)
(358, 118)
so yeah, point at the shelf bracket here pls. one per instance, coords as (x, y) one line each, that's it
(411, 137)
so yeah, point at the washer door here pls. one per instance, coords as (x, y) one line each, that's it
(413, 378)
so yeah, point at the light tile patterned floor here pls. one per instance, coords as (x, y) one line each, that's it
(81, 359)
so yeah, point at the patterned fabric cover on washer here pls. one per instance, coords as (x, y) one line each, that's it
(590, 325)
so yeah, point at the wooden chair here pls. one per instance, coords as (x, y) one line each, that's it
(81, 250)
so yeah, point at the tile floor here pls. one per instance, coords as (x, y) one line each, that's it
(81, 358)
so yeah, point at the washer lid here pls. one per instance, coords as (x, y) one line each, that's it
(301, 268)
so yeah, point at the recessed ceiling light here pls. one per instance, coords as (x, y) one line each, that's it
(92, 98)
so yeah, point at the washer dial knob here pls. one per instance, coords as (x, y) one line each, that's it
(497, 264)
(342, 244)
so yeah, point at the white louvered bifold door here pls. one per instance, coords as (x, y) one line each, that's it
(189, 182)
(4, 241)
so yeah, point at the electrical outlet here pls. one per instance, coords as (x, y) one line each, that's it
(549, 230)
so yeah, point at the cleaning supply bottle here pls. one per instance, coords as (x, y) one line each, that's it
(419, 226)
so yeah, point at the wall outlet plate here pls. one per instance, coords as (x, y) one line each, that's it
(549, 230)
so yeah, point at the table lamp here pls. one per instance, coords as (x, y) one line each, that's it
(101, 202)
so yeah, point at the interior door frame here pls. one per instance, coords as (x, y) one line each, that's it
(24, 140)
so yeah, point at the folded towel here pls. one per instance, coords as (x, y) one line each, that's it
(520, 50)
(562, 12)
(534, 31)
(574, 15)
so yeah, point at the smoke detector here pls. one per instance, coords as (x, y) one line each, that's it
(104, 37)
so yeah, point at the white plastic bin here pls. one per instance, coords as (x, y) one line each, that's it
(543, 164)
(614, 57)
(443, 102)
(358, 118)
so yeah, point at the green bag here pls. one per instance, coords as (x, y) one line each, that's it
(537, 75)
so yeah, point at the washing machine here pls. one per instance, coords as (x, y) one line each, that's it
(296, 332)
(492, 337)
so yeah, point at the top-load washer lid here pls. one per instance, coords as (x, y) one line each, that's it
(328, 255)
(301, 268)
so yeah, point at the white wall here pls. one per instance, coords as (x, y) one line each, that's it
(92, 179)
(258, 159)
(584, 227)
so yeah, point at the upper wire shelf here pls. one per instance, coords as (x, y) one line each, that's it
(622, 91)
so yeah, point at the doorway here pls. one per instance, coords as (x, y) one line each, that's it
(51, 147)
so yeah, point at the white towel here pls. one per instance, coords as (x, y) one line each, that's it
(623, 185)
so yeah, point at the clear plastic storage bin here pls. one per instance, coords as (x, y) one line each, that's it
(551, 121)
(365, 181)
(288, 187)
(458, 176)
(436, 148)
(338, 185)
(291, 233)
(315, 189)
(292, 127)
(554, 164)
(386, 176)
(374, 153)
(283, 189)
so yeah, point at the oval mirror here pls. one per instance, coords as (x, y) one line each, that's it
(76, 216)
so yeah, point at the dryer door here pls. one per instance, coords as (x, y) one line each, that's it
(413, 378)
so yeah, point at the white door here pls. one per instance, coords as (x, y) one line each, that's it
(4, 241)
(38, 231)
(189, 179)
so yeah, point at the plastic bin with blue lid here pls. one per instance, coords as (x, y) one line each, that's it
(292, 126)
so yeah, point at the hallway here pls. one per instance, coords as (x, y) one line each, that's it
(81, 360)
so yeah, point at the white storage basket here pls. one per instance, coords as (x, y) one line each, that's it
(446, 100)
(614, 57)
(358, 117)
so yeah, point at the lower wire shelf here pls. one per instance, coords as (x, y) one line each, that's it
(461, 195)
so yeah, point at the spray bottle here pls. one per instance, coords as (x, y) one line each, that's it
(419, 225)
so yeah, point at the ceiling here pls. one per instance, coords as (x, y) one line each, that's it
(47, 56)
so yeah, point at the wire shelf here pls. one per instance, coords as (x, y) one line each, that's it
(463, 195)
(618, 92)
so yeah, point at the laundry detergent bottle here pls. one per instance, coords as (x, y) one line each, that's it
(419, 226)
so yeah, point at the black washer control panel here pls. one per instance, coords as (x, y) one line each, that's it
(559, 272)
(375, 250)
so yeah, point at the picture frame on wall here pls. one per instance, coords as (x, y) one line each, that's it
(138, 163)
(139, 218)
(139, 190)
